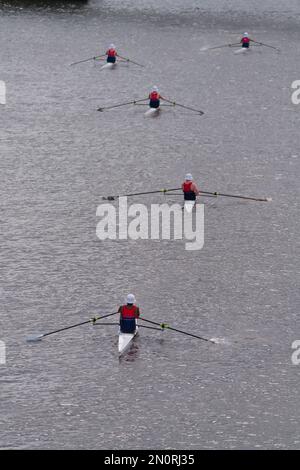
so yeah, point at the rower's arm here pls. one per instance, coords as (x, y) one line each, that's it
(195, 189)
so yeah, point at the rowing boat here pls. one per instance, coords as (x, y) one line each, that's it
(189, 205)
(125, 340)
(152, 112)
(242, 50)
(108, 66)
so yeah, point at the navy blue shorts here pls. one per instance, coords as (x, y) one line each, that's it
(245, 44)
(111, 60)
(190, 196)
(154, 103)
(127, 325)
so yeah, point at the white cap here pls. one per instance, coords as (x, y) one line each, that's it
(188, 177)
(112, 46)
(154, 88)
(130, 299)
(246, 35)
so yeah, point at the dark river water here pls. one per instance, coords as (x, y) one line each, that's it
(59, 156)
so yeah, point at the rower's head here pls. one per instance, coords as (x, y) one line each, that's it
(188, 177)
(112, 46)
(155, 88)
(246, 35)
(130, 299)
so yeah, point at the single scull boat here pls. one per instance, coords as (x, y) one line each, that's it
(152, 112)
(125, 340)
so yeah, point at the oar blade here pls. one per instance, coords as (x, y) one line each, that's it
(34, 338)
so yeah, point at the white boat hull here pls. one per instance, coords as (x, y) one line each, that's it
(242, 50)
(125, 341)
(189, 205)
(152, 112)
(109, 66)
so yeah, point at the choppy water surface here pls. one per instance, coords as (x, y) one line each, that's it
(59, 156)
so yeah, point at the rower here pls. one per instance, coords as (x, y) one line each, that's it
(154, 98)
(111, 54)
(128, 315)
(245, 41)
(189, 188)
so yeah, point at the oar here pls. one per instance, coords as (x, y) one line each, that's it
(266, 45)
(91, 320)
(183, 106)
(181, 194)
(162, 105)
(86, 60)
(121, 104)
(140, 326)
(166, 326)
(219, 47)
(112, 198)
(129, 60)
(215, 193)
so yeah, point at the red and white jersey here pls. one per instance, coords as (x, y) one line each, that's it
(129, 312)
(111, 53)
(245, 40)
(190, 187)
(154, 96)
